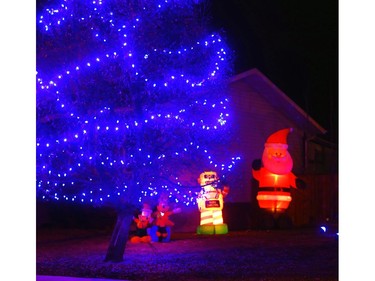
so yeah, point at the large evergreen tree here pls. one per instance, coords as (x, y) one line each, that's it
(131, 103)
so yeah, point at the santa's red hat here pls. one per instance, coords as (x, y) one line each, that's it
(279, 137)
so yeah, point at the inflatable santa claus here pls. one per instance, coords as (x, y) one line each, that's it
(274, 173)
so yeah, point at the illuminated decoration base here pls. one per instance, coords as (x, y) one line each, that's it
(137, 239)
(213, 229)
(274, 201)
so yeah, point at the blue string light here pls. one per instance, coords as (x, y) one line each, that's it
(91, 140)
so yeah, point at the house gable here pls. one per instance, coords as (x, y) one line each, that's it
(256, 82)
(259, 110)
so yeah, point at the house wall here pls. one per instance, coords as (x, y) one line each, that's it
(321, 158)
(318, 203)
(255, 119)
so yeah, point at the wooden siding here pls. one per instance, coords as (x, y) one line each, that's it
(318, 203)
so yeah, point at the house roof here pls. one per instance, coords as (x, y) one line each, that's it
(279, 100)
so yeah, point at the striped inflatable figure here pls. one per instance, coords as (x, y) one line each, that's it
(210, 203)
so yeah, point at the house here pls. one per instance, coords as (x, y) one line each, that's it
(260, 109)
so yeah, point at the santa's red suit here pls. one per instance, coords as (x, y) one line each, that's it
(268, 179)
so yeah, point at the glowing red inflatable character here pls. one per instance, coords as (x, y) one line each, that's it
(275, 175)
(162, 221)
(143, 223)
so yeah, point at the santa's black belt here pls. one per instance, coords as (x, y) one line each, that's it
(282, 189)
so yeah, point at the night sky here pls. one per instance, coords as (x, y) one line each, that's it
(294, 43)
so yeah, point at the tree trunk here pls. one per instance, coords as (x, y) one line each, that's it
(125, 210)
(120, 236)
